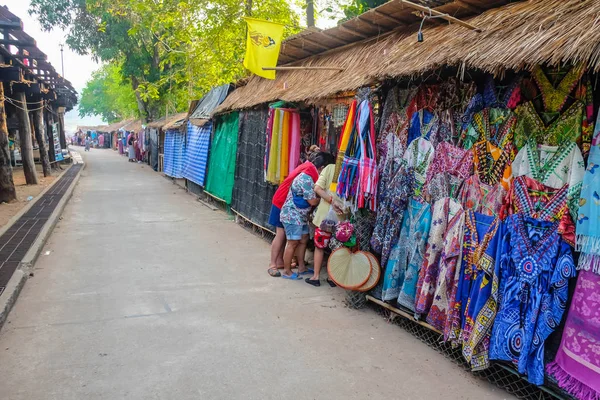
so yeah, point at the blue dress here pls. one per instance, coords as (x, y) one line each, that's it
(535, 264)
(420, 125)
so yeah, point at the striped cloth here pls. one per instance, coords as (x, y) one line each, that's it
(196, 152)
(174, 154)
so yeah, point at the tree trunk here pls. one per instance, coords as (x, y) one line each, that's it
(7, 186)
(248, 8)
(40, 137)
(140, 103)
(25, 139)
(48, 121)
(310, 13)
(61, 133)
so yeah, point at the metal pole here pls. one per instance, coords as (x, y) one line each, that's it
(62, 62)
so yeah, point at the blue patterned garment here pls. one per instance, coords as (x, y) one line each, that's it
(406, 257)
(421, 125)
(535, 267)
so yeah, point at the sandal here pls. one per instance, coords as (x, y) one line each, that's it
(314, 282)
(274, 272)
(331, 283)
(293, 276)
(307, 272)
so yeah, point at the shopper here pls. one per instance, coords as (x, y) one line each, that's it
(294, 216)
(131, 147)
(87, 143)
(278, 244)
(330, 209)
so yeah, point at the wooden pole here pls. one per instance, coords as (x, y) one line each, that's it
(442, 15)
(302, 68)
(48, 121)
(40, 137)
(61, 126)
(7, 186)
(25, 139)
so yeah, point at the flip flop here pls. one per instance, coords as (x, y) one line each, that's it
(307, 272)
(293, 276)
(314, 282)
(274, 272)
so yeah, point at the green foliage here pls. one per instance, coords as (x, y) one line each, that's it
(108, 95)
(171, 51)
(357, 7)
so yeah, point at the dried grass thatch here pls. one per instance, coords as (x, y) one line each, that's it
(516, 36)
(163, 122)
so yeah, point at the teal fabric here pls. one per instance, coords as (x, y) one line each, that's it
(221, 167)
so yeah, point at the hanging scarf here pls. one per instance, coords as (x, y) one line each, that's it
(285, 146)
(588, 229)
(343, 144)
(294, 158)
(269, 138)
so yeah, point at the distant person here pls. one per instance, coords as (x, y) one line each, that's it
(131, 147)
(87, 144)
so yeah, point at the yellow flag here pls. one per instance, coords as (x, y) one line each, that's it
(262, 46)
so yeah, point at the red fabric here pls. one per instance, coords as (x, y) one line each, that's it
(283, 189)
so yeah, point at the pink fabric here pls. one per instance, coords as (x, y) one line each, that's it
(294, 159)
(577, 363)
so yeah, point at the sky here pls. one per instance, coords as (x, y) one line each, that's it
(78, 68)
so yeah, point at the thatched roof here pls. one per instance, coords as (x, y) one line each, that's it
(516, 36)
(133, 126)
(175, 121)
(163, 122)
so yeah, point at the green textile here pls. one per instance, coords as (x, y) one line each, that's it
(223, 150)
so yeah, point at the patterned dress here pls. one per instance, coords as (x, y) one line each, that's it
(535, 267)
(421, 125)
(473, 313)
(480, 197)
(554, 166)
(402, 269)
(492, 124)
(419, 156)
(443, 211)
(452, 161)
(393, 198)
(493, 164)
(536, 200)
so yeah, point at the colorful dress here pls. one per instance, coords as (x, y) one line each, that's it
(536, 200)
(406, 257)
(453, 161)
(535, 266)
(480, 197)
(554, 166)
(492, 124)
(419, 156)
(577, 363)
(565, 128)
(393, 197)
(493, 164)
(421, 124)
(444, 297)
(476, 294)
(443, 211)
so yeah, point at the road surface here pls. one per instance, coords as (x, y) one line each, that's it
(144, 293)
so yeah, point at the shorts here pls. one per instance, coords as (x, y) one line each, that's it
(274, 217)
(295, 232)
(322, 239)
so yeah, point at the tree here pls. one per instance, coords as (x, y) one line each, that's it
(108, 95)
(169, 51)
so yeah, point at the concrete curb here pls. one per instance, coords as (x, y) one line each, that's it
(17, 281)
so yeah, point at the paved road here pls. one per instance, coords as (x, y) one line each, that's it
(144, 293)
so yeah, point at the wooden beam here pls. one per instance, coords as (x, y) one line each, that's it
(433, 12)
(295, 46)
(388, 17)
(402, 313)
(353, 32)
(312, 42)
(333, 37)
(13, 25)
(18, 43)
(361, 20)
(469, 7)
